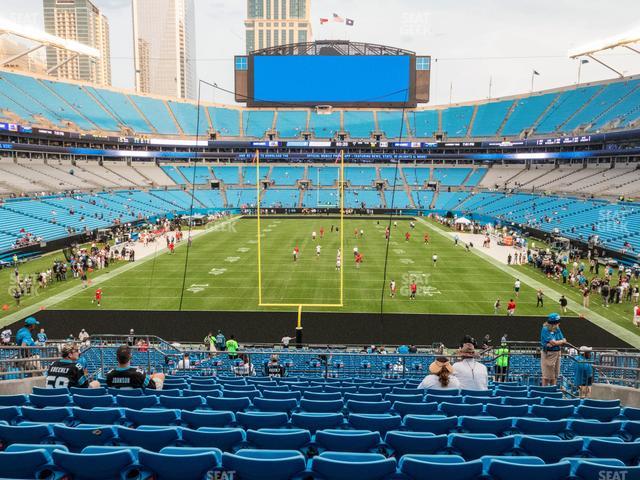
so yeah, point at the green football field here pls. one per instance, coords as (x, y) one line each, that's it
(222, 273)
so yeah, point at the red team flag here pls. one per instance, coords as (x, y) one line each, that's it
(323, 21)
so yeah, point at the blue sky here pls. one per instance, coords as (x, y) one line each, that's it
(470, 41)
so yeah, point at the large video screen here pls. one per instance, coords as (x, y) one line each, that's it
(332, 80)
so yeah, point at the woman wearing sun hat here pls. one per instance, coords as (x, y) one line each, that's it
(440, 376)
(551, 342)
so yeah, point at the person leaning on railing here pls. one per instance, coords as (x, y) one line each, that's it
(551, 342)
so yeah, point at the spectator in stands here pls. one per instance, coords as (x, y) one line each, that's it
(274, 368)
(131, 339)
(42, 337)
(502, 362)
(402, 349)
(440, 376)
(551, 342)
(584, 371)
(243, 367)
(221, 341)
(5, 336)
(232, 347)
(563, 303)
(471, 374)
(24, 336)
(210, 342)
(185, 362)
(83, 337)
(286, 339)
(126, 376)
(413, 349)
(68, 371)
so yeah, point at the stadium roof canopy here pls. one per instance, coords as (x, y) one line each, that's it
(43, 39)
(623, 40)
(332, 47)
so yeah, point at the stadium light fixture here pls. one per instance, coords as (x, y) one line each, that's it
(43, 39)
(623, 40)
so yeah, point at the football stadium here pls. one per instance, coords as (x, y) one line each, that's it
(334, 272)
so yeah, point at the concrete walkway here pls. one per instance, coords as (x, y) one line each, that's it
(143, 255)
(615, 329)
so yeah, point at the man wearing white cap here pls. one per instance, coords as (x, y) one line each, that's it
(471, 373)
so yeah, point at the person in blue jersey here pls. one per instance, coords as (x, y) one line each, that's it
(42, 337)
(551, 343)
(126, 376)
(584, 371)
(24, 336)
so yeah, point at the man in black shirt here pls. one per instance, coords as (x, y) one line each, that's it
(126, 376)
(273, 368)
(68, 372)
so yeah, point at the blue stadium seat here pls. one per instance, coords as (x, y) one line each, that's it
(542, 395)
(592, 469)
(9, 414)
(228, 404)
(496, 426)
(627, 452)
(125, 392)
(41, 401)
(284, 439)
(324, 396)
(505, 411)
(93, 402)
(206, 418)
(534, 426)
(167, 393)
(346, 466)
(321, 406)
(98, 466)
(180, 463)
(233, 387)
(476, 393)
(404, 443)
(368, 390)
(551, 412)
(631, 430)
(393, 397)
(181, 403)
(149, 438)
(363, 397)
(631, 413)
(420, 391)
(368, 407)
(347, 440)
(339, 389)
(87, 392)
(46, 415)
(159, 417)
(551, 449)
(510, 393)
(99, 416)
(52, 391)
(24, 433)
(456, 410)
(469, 399)
(592, 402)
(403, 408)
(522, 400)
(79, 437)
(506, 470)
(201, 393)
(443, 398)
(471, 447)
(589, 428)
(437, 425)
(317, 421)
(137, 402)
(24, 463)
(257, 420)
(264, 464)
(282, 395)
(381, 422)
(429, 467)
(225, 439)
(597, 413)
(272, 405)
(561, 402)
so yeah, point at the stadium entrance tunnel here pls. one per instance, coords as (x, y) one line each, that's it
(319, 327)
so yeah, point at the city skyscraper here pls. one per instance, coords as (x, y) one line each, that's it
(82, 21)
(164, 47)
(271, 23)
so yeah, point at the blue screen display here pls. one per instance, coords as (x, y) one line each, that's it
(331, 79)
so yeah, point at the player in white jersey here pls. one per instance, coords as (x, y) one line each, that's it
(435, 259)
(392, 288)
(313, 235)
(338, 263)
(318, 250)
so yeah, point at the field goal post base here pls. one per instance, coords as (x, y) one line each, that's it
(300, 305)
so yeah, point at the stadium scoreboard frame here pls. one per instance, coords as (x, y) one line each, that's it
(299, 305)
(332, 72)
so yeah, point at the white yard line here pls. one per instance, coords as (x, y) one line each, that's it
(143, 255)
(589, 314)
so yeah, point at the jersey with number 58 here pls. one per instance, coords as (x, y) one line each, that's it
(66, 373)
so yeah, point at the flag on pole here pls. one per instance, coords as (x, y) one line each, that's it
(323, 21)
(535, 72)
(338, 18)
(349, 22)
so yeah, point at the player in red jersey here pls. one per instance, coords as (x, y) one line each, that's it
(355, 233)
(98, 297)
(407, 236)
(358, 259)
(387, 233)
(296, 252)
(172, 247)
(321, 232)
(413, 288)
(426, 238)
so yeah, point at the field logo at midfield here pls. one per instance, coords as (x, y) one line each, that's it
(422, 281)
(197, 287)
(217, 271)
